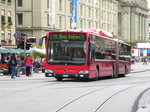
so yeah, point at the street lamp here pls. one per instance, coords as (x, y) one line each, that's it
(24, 43)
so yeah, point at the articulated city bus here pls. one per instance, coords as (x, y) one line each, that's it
(87, 54)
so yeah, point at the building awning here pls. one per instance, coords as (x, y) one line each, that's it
(3, 51)
(9, 46)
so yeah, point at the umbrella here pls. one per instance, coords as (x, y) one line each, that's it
(9, 51)
(3, 50)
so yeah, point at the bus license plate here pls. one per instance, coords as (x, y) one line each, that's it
(65, 75)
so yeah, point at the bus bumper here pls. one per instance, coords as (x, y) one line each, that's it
(67, 75)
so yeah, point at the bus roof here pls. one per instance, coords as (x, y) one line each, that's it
(99, 32)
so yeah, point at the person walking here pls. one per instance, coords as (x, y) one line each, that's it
(145, 61)
(19, 64)
(13, 64)
(28, 64)
(7, 63)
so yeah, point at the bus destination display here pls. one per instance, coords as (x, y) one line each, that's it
(68, 36)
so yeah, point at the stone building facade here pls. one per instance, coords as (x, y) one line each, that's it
(126, 19)
(7, 17)
(36, 17)
(133, 20)
(149, 26)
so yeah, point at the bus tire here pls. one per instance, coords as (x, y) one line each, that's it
(43, 70)
(96, 74)
(59, 78)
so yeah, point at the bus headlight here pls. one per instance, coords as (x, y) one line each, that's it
(84, 72)
(48, 71)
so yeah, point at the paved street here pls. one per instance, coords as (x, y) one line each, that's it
(41, 94)
(139, 67)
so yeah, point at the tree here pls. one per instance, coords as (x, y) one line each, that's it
(36, 54)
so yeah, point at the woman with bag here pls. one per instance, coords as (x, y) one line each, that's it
(28, 64)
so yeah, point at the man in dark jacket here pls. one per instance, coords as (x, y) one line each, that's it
(13, 64)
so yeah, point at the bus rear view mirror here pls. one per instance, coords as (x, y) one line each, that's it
(41, 40)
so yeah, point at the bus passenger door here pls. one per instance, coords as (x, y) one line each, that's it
(91, 60)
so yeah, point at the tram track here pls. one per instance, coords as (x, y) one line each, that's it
(56, 83)
(113, 95)
(105, 101)
(16, 91)
(65, 85)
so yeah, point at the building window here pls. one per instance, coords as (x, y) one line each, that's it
(89, 12)
(9, 34)
(70, 23)
(81, 10)
(47, 3)
(9, 19)
(3, 21)
(60, 22)
(81, 23)
(70, 7)
(3, 1)
(19, 3)
(89, 24)
(60, 5)
(2, 35)
(20, 19)
(96, 13)
(9, 1)
(48, 21)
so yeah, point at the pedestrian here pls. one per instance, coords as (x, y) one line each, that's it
(19, 64)
(7, 63)
(13, 64)
(23, 68)
(28, 65)
(145, 61)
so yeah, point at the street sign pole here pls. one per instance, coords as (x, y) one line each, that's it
(25, 41)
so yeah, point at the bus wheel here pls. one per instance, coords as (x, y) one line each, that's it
(96, 74)
(59, 78)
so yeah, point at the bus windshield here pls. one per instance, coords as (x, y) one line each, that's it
(66, 52)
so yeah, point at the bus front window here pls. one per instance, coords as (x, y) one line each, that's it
(66, 52)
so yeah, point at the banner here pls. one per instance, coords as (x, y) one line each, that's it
(74, 14)
(51, 12)
(17, 36)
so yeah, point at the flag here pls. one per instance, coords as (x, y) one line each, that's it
(17, 36)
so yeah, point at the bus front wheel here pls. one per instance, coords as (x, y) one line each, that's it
(59, 78)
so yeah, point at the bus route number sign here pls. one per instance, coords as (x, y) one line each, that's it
(68, 36)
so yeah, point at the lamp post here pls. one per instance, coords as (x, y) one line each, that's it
(25, 42)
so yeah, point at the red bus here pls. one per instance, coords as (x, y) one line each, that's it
(87, 54)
